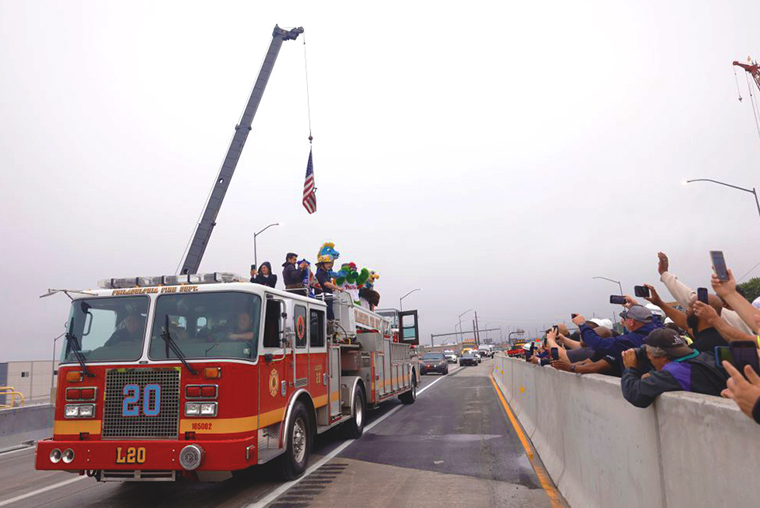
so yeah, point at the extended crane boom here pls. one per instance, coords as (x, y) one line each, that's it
(752, 69)
(208, 220)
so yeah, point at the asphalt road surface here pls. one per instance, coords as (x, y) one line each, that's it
(455, 446)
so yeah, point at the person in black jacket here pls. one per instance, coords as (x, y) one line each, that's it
(292, 274)
(265, 277)
(678, 368)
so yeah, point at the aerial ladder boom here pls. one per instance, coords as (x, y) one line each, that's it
(205, 227)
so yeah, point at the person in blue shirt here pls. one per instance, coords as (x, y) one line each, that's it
(638, 321)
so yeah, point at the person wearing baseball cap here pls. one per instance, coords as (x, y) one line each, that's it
(638, 321)
(677, 368)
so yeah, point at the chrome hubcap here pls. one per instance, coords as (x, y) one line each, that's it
(358, 411)
(299, 440)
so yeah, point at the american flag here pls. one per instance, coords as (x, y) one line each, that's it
(309, 190)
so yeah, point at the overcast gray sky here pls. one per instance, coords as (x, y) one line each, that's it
(497, 155)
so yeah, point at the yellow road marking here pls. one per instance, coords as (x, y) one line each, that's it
(543, 475)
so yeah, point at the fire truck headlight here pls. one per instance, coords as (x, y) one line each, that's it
(55, 456)
(192, 409)
(68, 456)
(71, 411)
(208, 409)
(191, 457)
(86, 411)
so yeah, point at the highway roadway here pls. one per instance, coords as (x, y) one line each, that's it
(455, 446)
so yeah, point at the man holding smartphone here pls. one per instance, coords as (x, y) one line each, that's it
(683, 294)
(677, 368)
(706, 336)
(638, 320)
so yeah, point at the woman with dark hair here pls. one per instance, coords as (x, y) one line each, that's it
(265, 277)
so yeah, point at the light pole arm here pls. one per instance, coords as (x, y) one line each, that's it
(269, 226)
(611, 280)
(751, 191)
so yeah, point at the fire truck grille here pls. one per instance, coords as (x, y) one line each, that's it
(125, 410)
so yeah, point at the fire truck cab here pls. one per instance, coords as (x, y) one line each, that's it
(197, 376)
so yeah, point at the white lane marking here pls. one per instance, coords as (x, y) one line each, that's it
(287, 486)
(40, 491)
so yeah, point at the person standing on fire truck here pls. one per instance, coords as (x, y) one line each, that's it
(292, 274)
(324, 278)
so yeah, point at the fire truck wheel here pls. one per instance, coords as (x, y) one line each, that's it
(295, 458)
(410, 396)
(355, 426)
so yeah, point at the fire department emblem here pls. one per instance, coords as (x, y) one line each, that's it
(274, 379)
(301, 327)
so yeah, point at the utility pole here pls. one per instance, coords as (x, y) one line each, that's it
(477, 337)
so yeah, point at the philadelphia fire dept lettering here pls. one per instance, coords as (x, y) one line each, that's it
(131, 403)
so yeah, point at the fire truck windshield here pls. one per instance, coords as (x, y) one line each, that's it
(107, 329)
(207, 325)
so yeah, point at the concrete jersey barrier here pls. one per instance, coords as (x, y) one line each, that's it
(686, 450)
(28, 423)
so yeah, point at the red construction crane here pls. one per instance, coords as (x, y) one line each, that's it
(753, 69)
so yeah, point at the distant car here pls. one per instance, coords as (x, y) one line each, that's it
(434, 362)
(469, 358)
(478, 356)
(451, 356)
(486, 351)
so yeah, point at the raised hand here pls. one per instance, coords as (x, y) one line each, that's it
(743, 391)
(724, 288)
(654, 297)
(663, 263)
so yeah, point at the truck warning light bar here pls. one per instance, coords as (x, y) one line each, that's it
(170, 280)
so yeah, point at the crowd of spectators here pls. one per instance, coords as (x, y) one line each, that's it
(663, 346)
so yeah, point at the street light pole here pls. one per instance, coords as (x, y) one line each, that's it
(52, 377)
(460, 324)
(612, 280)
(255, 254)
(400, 300)
(751, 191)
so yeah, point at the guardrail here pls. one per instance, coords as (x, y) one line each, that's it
(29, 423)
(9, 391)
(686, 450)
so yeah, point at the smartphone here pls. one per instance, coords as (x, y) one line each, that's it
(617, 300)
(641, 291)
(529, 353)
(722, 353)
(719, 264)
(702, 295)
(744, 353)
(555, 353)
(739, 353)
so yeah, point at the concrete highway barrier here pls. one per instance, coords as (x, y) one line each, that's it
(28, 423)
(686, 450)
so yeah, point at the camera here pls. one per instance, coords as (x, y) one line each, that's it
(641, 355)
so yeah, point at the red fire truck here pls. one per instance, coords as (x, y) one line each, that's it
(197, 376)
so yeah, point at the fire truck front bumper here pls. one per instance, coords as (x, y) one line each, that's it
(212, 455)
